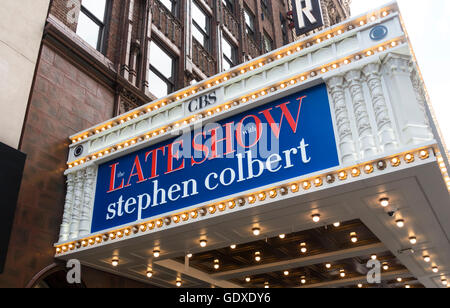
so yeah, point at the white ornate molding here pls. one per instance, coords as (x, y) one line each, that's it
(411, 120)
(386, 134)
(342, 120)
(365, 132)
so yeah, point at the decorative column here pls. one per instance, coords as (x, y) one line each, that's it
(77, 205)
(367, 141)
(386, 133)
(346, 142)
(88, 199)
(410, 118)
(65, 225)
(420, 94)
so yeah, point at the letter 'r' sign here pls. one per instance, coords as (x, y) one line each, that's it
(307, 15)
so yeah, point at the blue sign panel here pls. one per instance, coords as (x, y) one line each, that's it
(282, 140)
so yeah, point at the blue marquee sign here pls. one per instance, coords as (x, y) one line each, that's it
(282, 140)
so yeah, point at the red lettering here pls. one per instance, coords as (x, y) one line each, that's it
(138, 173)
(113, 179)
(154, 154)
(285, 113)
(258, 131)
(172, 155)
(199, 147)
(228, 139)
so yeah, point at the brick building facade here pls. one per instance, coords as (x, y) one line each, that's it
(83, 78)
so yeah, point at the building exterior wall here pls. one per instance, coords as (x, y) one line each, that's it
(21, 27)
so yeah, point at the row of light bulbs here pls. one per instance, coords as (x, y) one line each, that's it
(385, 202)
(225, 107)
(318, 182)
(288, 51)
(444, 171)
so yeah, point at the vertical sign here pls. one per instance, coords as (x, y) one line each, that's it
(307, 15)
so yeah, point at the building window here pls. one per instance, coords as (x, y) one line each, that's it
(91, 23)
(171, 5)
(229, 55)
(249, 22)
(265, 9)
(200, 25)
(268, 43)
(162, 71)
(229, 4)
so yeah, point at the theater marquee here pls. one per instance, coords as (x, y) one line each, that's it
(270, 143)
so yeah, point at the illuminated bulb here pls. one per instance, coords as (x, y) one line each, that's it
(156, 253)
(294, 187)
(346, 61)
(222, 207)
(216, 264)
(242, 71)
(247, 279)
(444, 281)
(339, 32)
(251, 199)
(328, 265)
(282, 236)
(407, 286)
(373, 257)
(373, 18)
(353, 237)
(319, 40)
(203, 243)
(355, 172)
(303, 280)
(149, 274)
(360, 285)
(286, 273)
(282, 86)
(316, 218)
(384, 202)
(413, 240)
(212, 209)
(361, 23)
(273, 193)
(266, 285)
(257, 256)
(400, 223)
(115, 262)
(178, 283)
(324, 70)
(233, 246)
(306, 185)
(424, 154)
(381, 48)
(262, 196)
(342, 175)
(435, 269)
(427, 259)
(303, 248)
(399, 279)
(368, 169)
(393, 44)
(189, 255)
(337, 224)
(385, 13)
(385, 266)
(342, 273)
(256, 231)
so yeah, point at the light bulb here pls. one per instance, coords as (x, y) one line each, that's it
(413, 240)
(286, 273)
(115, 262)
(384, 202)
(233, 246)
(247, 279)
(316, 218)
(435, 269)
(256, 231)
(156, 253)
(427, 259)
(373, 257)
(337, 224)
(149, 274)
(282, 236)
(328, 265)
(203, 243)
(400, 223)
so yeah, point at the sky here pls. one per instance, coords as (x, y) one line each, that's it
(428, 25)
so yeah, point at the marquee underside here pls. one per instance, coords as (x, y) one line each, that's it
(356, 206)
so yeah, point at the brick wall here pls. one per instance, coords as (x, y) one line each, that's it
(64, 101)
